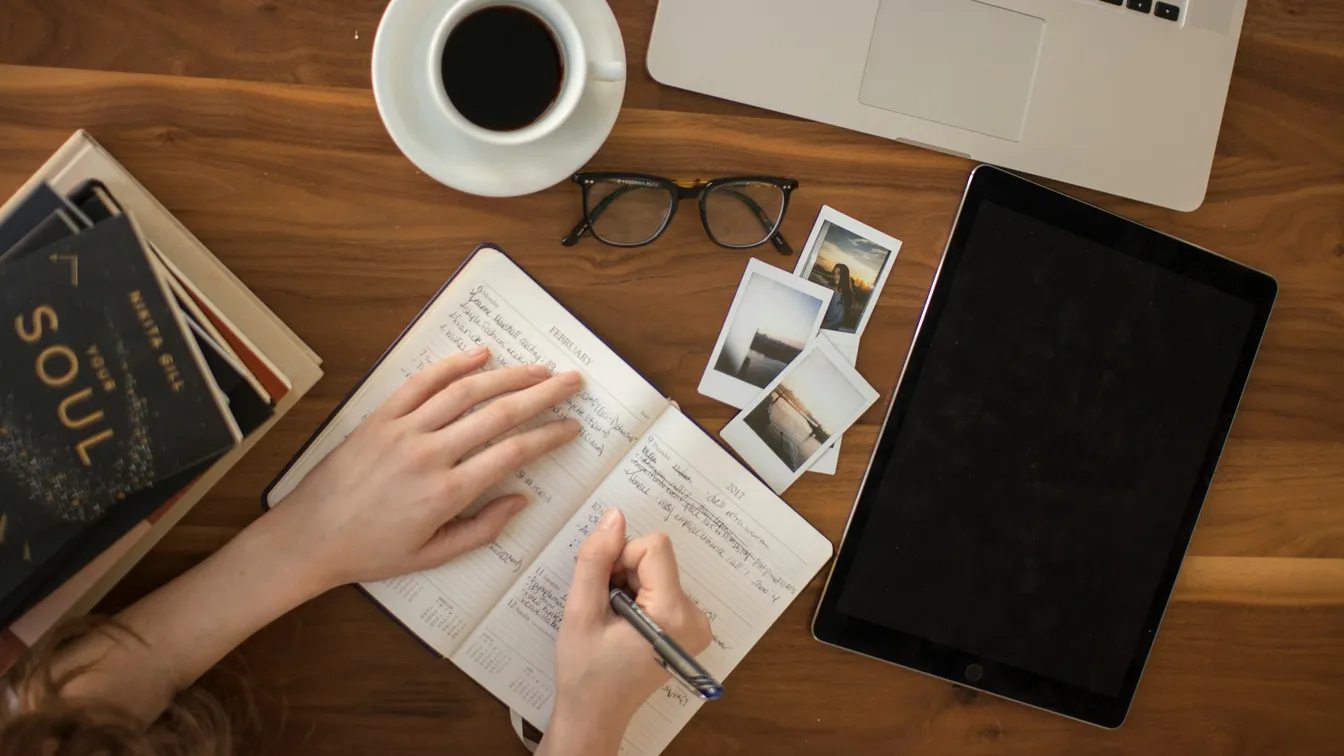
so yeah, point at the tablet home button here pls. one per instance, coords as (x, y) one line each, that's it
(974, 672)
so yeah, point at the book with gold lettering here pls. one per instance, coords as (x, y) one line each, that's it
(744, 553)
(106, 392)
(260, 365)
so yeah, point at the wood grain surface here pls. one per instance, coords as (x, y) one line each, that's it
(253, 121)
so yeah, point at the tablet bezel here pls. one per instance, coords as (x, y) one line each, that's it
(991, 184)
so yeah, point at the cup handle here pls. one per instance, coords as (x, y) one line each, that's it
(606, 70)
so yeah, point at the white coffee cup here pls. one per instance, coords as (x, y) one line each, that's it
(578, 69)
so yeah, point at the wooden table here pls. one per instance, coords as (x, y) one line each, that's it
(253, 121)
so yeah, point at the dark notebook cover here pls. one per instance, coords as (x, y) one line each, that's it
(250, 409)
(55, 227)
(103, 395)
(40, 203)
(94, 540)
(93, 199)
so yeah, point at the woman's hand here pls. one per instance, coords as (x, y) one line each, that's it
(604, 669)
(384, 503)
(387, 501)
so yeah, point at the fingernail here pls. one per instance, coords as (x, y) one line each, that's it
(478, 351)
(519, 504)
(610, 519)
(540, 371)
(572, 378)
(572, 425)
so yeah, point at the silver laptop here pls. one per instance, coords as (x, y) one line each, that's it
(1124, 96)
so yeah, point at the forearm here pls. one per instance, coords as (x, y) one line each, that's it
(188, 625)
(388, 501)
(582, 736)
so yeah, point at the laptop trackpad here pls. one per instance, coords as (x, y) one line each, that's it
(961, 63)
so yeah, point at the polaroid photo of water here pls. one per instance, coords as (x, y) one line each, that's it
(828, 462)
(800, 415)
(773, 317)
(852, 259)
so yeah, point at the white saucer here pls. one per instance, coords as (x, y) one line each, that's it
(402, 89)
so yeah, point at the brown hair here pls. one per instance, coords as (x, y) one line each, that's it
(45, 723)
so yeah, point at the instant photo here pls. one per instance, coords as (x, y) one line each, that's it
(852, 260)
(785, 428)
(829, 461)
(773, 317)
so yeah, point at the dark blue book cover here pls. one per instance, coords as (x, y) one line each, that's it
(103, 396)
(42, 217)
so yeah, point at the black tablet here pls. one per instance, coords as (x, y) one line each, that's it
(1043, 462)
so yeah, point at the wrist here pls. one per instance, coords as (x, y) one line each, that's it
(276, 541)
(591, 733)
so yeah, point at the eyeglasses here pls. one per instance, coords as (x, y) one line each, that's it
(632, 209)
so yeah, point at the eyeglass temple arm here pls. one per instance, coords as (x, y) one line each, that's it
(578, 233)
(586, 225)
(776, 238)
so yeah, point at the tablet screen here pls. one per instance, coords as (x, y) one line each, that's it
(1055, 432)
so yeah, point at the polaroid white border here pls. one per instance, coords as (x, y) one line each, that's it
(762, 459)
(830, 215)
(733, 391)
(829, 461)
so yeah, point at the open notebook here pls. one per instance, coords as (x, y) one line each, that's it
(744, 554)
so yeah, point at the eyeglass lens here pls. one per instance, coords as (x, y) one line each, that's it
(627, 213)
(743, 213)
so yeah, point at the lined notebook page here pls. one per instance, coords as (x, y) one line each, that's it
(743, 553)
(493, 302)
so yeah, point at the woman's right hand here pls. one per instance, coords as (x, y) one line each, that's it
(604, 669)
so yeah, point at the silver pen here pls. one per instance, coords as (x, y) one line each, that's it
(671, 656)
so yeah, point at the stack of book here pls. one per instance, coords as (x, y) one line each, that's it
(137, 371)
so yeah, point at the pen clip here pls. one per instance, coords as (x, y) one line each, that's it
(707, 691)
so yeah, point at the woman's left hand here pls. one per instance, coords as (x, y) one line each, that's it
(386, 502)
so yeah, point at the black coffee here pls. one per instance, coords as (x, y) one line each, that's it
(502, 68)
